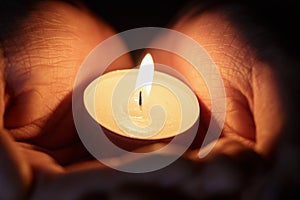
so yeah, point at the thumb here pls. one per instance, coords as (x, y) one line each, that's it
(15, 174)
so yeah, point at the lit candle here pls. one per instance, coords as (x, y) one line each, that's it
(141, 105)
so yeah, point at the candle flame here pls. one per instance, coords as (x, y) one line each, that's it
(145, 75)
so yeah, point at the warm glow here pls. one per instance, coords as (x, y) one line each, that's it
(145, 75)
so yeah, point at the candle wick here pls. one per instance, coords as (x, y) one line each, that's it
(140, 98)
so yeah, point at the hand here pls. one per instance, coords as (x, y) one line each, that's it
(255, 114)
(39, 62)
(39, 70)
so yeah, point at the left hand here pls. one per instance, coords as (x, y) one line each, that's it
(39, 62)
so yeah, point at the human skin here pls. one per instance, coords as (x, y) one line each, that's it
(255, 113)
(39, 64)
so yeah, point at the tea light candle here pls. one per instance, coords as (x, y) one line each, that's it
(142, 104)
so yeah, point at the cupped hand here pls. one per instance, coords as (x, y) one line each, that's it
(243, 55)
(39, 62)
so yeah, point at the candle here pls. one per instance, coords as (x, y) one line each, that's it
(141, 106)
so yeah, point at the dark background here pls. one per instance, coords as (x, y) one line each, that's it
(132, 14)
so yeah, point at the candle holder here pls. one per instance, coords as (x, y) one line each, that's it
(140, 107)
(135, 144)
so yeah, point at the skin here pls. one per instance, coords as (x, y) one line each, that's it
(38, 72)
(38, 141)
(254, 108)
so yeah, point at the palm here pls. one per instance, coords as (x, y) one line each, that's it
(251, 118)
(40, 70)
(41, 65)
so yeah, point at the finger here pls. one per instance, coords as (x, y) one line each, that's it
(219, 177)
(105, 182)
(125, 158)
(39, 160)
(15, 173)
(269, 112)
(224, 145)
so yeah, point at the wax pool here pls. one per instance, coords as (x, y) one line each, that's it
(168, 109)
